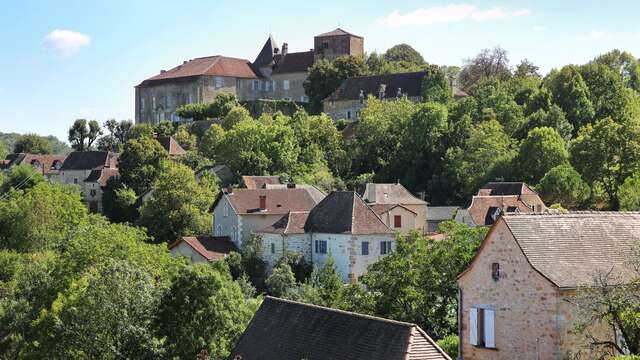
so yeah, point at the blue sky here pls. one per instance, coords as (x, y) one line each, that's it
(61, 60)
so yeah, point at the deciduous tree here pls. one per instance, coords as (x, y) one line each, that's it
(83, 134)
(563, 185)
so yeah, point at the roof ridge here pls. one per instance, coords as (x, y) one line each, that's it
(390, 74)
(572, 213)
(370, 317)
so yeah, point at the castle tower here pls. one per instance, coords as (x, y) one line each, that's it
(338, 43)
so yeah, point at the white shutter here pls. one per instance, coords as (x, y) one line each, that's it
(489, 329)
(473, 326)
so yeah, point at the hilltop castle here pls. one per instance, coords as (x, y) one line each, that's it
(274, 74)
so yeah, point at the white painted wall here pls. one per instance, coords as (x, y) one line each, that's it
(226, 223)
(183, 249)
(295, 243)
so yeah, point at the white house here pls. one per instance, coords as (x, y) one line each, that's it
(240, 212)
(341, 226)
(202, 248)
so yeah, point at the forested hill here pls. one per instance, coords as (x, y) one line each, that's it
(51, 144)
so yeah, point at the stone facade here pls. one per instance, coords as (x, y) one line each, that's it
(408, 219)
(532, 317)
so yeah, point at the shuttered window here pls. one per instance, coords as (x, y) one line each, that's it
(385, 247)
(365, 248)
(321, 246)
(397, 221)
(482, 327)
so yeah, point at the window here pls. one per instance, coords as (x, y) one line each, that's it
(349, 114)
(397, 221)
(273, 85)
(142, 104)
(325, 44)
(225, 211)
(365, 248)
(238, 84)
(267, 85)
(321, 246)
(286, 98)
(93, 192)
(75, 180)
(495, 271)
(273, 248)
(218, 230)
(385, 247)
(153, 103)
(304, 98)
(285, 84)
(255, 85)
(219, 82)
(482, 327)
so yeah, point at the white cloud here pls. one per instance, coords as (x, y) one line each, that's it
(67, 42)
(598, 35)
(447, 14)
(538, 28)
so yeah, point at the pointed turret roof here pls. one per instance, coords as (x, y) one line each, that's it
(265, 57)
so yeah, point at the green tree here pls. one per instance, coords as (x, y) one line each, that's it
(607, 153)
(417, 281)
(221, 105)
(236, 115)
(553, 118)
(32, 144)
(83, 134)
(41, 218)
(571, 93)
(474, 162)
(300, 267)
(119, 201)
(140, 131)
(186, 139)
(624, 64)
(488, 64)
(21, 177)
(325, 77)
(211, 141)
(404, 53)
(542, 150)
(608, 94)
(281, 280)
(139, 163)
(106, 314)
(629, 193)
(203, 309)
(563, 185)
(178, 205)
(526, 69)
(327, 282)
(435, 85)
(450, 345)
(117, 136)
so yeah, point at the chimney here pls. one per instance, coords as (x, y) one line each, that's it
(229, 189)
(263, 202)
(163, 71)
(285, 49)
(291, 185)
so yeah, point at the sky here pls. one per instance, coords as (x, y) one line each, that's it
(62, 60)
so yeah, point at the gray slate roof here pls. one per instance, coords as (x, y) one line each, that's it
(390, 194)
(89, 160)
(570, 249)
(344, 212)
(265, 57)
(289, 330)
(440, 213)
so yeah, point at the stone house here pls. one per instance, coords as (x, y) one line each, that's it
(396, 206)
(515, 296)
(275, 74)
(47, 165)
(202, 248)
(89, 171)
(238, 213)
(496, 198)
(289, 330)
(342, 226)
(351, 97)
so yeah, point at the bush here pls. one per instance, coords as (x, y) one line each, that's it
(450, 345)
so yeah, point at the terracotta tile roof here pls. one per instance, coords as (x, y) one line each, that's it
(570, 248)
(212, 248)
(259, 182)
(484, 210)
(49, 164)
(278, 201)
(171, 145)
(292, 223)
(313, 191)
(289, 330)
(337, 32)
(295, 62)
(441, 212)
(210, 65)
(344, 212)
(410, 84)
(90, 160)
(101, 176)
(390, 194)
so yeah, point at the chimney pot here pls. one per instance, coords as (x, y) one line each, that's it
(263, 202)
(229, 189)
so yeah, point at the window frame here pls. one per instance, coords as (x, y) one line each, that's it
(397, 221)
(286, 85)
(482, 330)
(364, 248)
(321, 246)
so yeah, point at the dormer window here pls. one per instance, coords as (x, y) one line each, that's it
(35, 163)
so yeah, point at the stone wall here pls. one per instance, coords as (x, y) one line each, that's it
(525, 303)
(295, 243)
(408, 219)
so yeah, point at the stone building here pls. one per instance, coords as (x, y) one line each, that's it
(342, 226)
(275, 74)
(515, 298)
(89, 171)
(396, 206)
(496, 198)
(289, 330)
(47, 165)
